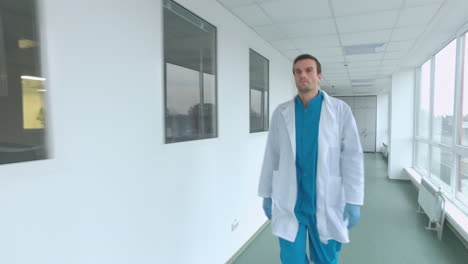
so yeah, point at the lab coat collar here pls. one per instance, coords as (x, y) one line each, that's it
(290, 118)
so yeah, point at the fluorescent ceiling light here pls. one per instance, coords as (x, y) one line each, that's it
(364, 85)
(26, 43)
(364, 49)
(26, 77)
(356, 81)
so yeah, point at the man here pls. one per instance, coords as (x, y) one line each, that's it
(312, 178)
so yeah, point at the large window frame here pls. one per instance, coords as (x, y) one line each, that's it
(455, 148)
(203, 130)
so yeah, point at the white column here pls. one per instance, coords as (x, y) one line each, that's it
(401, 124)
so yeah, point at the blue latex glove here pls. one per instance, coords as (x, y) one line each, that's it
(352, 212)
(267, 207)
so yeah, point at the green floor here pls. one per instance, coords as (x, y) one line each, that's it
(390, 230)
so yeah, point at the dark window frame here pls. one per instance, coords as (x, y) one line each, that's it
(265, 113)
(201, 88)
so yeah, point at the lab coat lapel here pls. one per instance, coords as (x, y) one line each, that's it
(290, 119)
(327, 120)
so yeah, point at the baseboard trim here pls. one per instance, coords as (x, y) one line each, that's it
(247, 244)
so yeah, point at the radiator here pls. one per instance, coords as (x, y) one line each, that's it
(432, 203)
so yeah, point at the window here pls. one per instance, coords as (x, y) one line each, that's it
(190, 75)
(462, 185)
(444, 88)
(422, 158)
(438, 87)
(22, 91)
(464, 104)
(441, 164)
(258, 92)
(424, 101)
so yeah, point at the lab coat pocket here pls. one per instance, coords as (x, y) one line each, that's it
(334, 161)
(335, 192)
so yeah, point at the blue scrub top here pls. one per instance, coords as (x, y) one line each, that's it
(307, 127)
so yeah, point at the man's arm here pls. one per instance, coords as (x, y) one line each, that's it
(351, 159)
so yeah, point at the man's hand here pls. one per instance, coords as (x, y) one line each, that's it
(352, 212)
(267, 207)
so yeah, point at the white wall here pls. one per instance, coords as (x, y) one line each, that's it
(382, 121)
(114, 192)
(401, 124)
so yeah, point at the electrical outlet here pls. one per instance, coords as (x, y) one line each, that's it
(234, 225)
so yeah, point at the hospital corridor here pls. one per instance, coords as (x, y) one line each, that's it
(234, 132)
(391, 231)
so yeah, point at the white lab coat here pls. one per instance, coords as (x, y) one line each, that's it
(340, 172)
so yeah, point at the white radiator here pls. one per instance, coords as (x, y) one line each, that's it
(433, 203)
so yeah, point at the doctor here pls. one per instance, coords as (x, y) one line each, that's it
(312, 178)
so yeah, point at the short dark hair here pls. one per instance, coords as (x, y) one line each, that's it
(308, 56)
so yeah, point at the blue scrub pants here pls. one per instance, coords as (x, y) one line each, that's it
(295, 252)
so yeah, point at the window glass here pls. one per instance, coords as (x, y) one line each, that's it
(23, 105)
(258, 92)
(190, 75)
(464, 104)
(441, 164)
(462, 178)
(422, 158)
(444, 87)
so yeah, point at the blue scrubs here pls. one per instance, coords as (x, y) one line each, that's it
(307, 126)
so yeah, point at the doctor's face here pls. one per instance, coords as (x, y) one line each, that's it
(306, 76)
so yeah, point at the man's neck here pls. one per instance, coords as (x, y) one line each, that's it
(306, 97)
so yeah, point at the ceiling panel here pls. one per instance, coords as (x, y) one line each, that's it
(336, 71)
(363, 75)
(252, 15)
(389, 68)
(310, 28)
(393, 63)
(341, 84)
(334, 79)
(364, 57)
(340, 92)
(407, 33)
(390, 63)
(333, 51)
(270, 32)
(372, 63)
(394, 55)
(236, 3)
(365, 37)
(367, 22)
(265, 1)
(285, 44)
(335, 60)
(417, 15)
(309, 42)
(363, 69)
(327, 71)
(347, 7)
(292, 54)
(399, 46)
(372, 72)
(284, 10)
(411, 3)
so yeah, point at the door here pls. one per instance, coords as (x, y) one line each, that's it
(364, 109)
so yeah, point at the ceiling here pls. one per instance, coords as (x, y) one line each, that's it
(405, 32)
